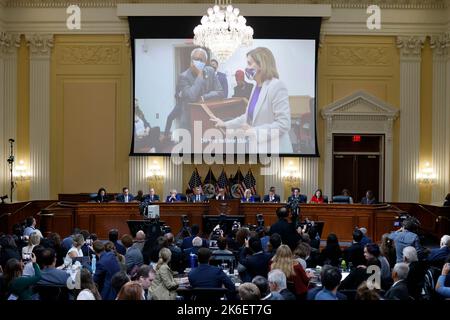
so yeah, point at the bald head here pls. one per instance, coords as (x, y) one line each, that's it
(140, 235)
(169, 237)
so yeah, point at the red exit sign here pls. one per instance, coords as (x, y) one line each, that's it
(356, 138)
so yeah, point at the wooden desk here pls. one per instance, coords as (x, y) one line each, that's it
(100, 218)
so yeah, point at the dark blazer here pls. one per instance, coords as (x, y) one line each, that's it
(355, 255)
(398, 292)
(287, 295)
(178, 198)
(276, 198)
(121, 197)
(251, 199)
(244, 92)
(148, 199)
(206, 276)
(368, 201)
(100, 199)
(302, 198)
(106, 266)
(203, 198)
(286, 230)
(415, 279)
(223, 82)
(255, 265)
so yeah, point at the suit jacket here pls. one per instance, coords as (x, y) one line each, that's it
(227, 197)
(133, 257)
(178, 198)
(206, 276)
(203, 198)
(121, 197)
(365, 200)
(251, 199)
(223, 82)
(302, 198)
(164, 286)
(255, 265)
(399, 291)
(148, 199)
(106, 266)
(286, 230)
(355, 254)
(267, 198)
(244, 92)
(191, 88)
(272, 111)
(53, 277)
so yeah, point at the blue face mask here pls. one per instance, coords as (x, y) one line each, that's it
(250, 73)
(200, 65)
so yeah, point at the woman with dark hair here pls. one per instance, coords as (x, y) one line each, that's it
(19, 286)
(332, 252)
(317, 197)
(8, 250)
(56, 244)
(101, 196)
(89, 290)
(387, 249)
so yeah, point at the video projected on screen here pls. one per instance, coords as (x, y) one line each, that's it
(259, 101)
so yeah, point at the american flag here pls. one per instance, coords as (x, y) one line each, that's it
(250, 181)
(239, 180)
(223, 182)
(195, 180)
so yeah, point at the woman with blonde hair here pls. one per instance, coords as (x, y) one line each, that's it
(164, 286)
(268, 114)
(295, 274)
(33, 240)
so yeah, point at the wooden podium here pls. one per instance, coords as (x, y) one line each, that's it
(228, 207)
(223, 109)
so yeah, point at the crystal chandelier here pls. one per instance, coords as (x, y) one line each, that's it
(223, 30)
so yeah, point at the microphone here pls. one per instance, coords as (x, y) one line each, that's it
(11, 140)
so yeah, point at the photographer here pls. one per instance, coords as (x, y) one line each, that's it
(407, 236)
(288, 232)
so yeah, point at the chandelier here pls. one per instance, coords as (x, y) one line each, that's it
(223, 30)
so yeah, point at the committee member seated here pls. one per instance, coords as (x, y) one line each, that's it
(125, 196)
(272, 196)
(248, 197)
(198, 196)
(369, 198)
(101, 196)
(151, 196)
(296, 196)
(207, 276)
(222, 195)
(343, 198)
(173, 197)
(318, 197)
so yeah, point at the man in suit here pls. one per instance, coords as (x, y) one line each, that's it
(207, 276)
(355, 253)
(113, 236)
(253, 260)
(243, 88)
(151, 196)
(369, 198)
(50, 276)
(197, 196)
(221, 76)
(173, 197)
(286, 230)
(399, 290)
(221, 195)
(296, 196)
(133, 255)
(277, 284)
(272, 196)
(125, 196)
(107, 265)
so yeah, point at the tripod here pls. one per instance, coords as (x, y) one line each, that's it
(11, 167)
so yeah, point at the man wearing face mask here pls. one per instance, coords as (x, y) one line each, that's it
(268, 114)
(198, 83)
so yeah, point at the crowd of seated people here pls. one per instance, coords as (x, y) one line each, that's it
(282, 262)
(196, 195)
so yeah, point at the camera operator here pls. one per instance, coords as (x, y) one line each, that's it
(407, 236)
(288, 231)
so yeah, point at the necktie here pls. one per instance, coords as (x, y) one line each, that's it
(198, 198)
(151, 198)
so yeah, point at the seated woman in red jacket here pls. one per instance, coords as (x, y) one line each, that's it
(317, 197)
(295, 274)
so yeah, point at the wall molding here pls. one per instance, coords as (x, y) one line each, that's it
(360, 113)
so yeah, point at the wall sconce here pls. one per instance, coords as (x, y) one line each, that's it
(21, 172)
(155, 172)
(426, 175)
(291, 173)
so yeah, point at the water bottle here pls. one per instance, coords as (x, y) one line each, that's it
(192, 260)
(343, 265)
(93, 263)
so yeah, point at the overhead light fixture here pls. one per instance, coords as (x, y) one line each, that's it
(223, 30)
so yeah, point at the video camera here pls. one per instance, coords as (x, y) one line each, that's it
(185, 221)
(259, 220)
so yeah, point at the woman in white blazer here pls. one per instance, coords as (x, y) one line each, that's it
(268, 114)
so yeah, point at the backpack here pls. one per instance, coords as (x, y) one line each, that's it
(431, 276)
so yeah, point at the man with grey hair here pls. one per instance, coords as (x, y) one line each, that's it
(438, 256)
(365, 239)
(416, 274)
(399, 290)
(199, 83)
(277, 283)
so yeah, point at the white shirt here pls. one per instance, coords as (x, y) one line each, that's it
(86, 294)
(126, 198)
